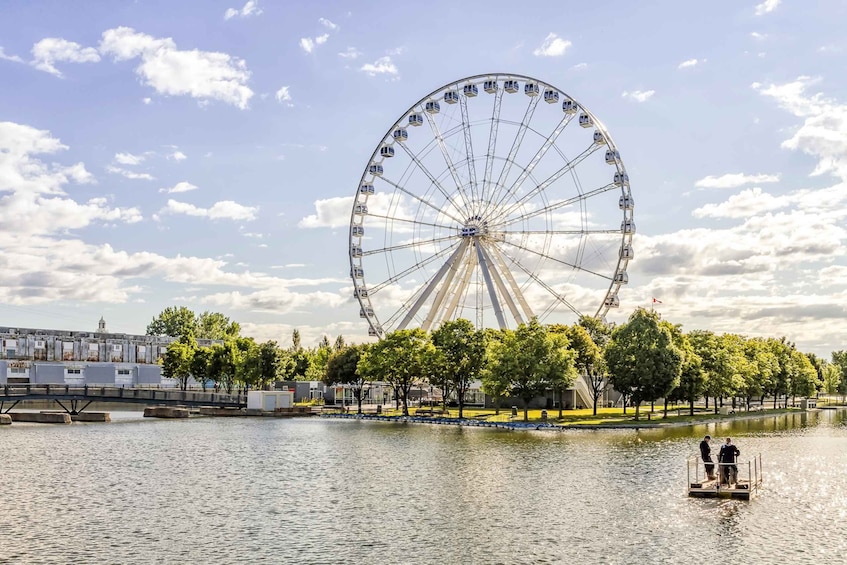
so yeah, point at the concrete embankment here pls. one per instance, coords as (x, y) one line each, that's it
(85, 416)
(165, 412)
(41, 417)
(5, 420)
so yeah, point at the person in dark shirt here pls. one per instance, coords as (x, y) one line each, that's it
(706, 455)
(727, 457)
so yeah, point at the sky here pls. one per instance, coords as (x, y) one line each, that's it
(207, 154)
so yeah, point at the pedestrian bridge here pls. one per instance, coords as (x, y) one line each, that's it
(75, 399)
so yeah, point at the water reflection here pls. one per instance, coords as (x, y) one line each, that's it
(317, 491)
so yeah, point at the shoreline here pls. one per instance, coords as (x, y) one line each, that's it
(547, 426)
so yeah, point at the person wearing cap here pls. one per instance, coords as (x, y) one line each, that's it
(727, 457)
(706, 455)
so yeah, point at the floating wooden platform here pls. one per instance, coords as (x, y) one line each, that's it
(747, 487)
(711, 489)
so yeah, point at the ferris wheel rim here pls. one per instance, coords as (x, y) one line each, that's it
(359, 284)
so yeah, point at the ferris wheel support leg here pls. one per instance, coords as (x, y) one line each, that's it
(428, 290)
(461, 286)
(498, 280)
(483, 266)
(442, 292)
(516, 290)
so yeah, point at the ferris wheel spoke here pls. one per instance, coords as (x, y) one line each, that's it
(450, 165)
(416, 267)
(559, 232)
(548, 143)
(410, 221)
(435, 182)
(555, 260)
(461, 288)
(554, 206)
(422, 201)
(507, 165)
(492, 143)
(466, 129)
(430, 286)
(409, 245)
(551, 179)
(491, 267)
(541, 283)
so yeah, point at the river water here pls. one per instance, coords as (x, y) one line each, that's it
(248, 490)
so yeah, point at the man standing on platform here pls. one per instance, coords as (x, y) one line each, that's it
(706, 455)
(727, 457)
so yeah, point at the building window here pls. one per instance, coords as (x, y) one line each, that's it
(123, 371)
(73, 371)
(18, 371)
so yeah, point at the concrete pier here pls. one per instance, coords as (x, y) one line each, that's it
(222, 412)
(165, 412)
(85, 416)
(5, 420)
(41, 417)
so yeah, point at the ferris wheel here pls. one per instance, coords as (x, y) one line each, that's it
(482, 202)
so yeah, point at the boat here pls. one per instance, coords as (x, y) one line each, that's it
(744, 482)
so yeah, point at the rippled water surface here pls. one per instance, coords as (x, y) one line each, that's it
(337, 491)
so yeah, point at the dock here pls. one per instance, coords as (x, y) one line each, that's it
(745, 483)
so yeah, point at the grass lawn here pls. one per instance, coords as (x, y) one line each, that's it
(585, 417)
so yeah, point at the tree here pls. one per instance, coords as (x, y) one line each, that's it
(692, 377)
(495, 383)
(643, 359)
(295, 340)
(201, 365)
(174, 321)
(343, 368)
(802, 376)
(707, 346)
(839, 359)
(318, 359)
(265, 364)
(339, 343)
(533, 361)
(214, 325)
(401, 358)
(589, 357)
(460, 351)
(224, 365)
(177, 363)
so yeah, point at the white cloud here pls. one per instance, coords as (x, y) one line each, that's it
(350, 53)
(52, 50)
(745, 204)
(177, 156)
(307, 44)
(183, 186)
(128, 159)
(638, 95)
(734, 180)
(688, 63)
(147, 100)
(758, 36)
(224, 210)
(251, 8)
(382, 66)
(579, 66)
(14, 58)
(823, 134)
(767, 7)
(206, 75)
(129, 174)
(328, 24)
(552, 46)
(283, 94)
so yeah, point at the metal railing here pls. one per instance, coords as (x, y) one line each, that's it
(729, 475)
(118, 394)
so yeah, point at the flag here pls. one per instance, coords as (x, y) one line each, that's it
(655, 301)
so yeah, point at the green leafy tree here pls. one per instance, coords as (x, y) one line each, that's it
(460, 351)
(692, 377)
(266, 363)
(295, 340)
(402, 359)
(339, 343)
(713, 362)
(839, 360)
(201, 366)
(802, 376)
(589, 357)
(214, 325)
(177, 363)
(643, 359)
(343, 368)
(318, 359)
(495, 383)
(226, 358)
(174, 321)
(533, 360)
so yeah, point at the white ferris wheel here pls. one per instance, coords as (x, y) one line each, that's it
(494, 198)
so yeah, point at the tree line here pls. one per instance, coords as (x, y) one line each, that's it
(645, 360)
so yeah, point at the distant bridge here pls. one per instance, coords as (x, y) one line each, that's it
(75, 399)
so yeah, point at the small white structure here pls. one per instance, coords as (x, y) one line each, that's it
(269, 400)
